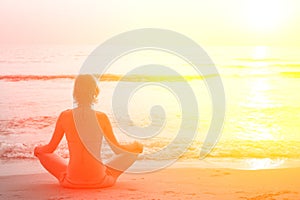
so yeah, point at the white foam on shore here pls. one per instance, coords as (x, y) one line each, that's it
(22, 167)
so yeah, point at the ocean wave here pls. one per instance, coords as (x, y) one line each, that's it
(36, 123)
(10, 150)
(239, 149)
(147, 78)
(224, 149)
(15, 78)
(107, 77)
(284, 74)
(290, 74)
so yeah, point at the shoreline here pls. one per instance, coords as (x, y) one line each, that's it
(17, 166)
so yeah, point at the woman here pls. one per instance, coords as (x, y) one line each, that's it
(85, 129)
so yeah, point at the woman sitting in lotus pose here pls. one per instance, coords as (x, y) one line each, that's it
(85, 129)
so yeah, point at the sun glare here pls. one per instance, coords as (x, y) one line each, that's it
(260, 53)
(264, 163)
(264, 15)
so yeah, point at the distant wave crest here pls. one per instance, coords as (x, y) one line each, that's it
(105, 77)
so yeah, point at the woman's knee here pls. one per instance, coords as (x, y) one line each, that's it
(45, 157)
(40, 155)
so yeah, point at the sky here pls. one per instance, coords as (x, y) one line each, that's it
(214, 22)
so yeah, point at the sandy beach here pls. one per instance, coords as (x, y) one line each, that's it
(183, 78)
(170, 183)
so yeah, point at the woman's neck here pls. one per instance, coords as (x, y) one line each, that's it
(85, 106)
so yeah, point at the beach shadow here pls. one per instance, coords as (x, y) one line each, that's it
(53, 191)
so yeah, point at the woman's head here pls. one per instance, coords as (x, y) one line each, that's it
(85, 89)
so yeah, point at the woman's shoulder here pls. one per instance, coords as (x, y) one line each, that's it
(66, 112)
(100, 114)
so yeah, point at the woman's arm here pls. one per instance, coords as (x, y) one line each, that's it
(134, 147)
(55, 140)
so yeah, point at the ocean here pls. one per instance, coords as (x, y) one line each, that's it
(262, 84)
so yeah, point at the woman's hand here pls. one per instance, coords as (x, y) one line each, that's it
(134, 147)
(138, 147)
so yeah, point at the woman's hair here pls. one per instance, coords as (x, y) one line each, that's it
(85, 89)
